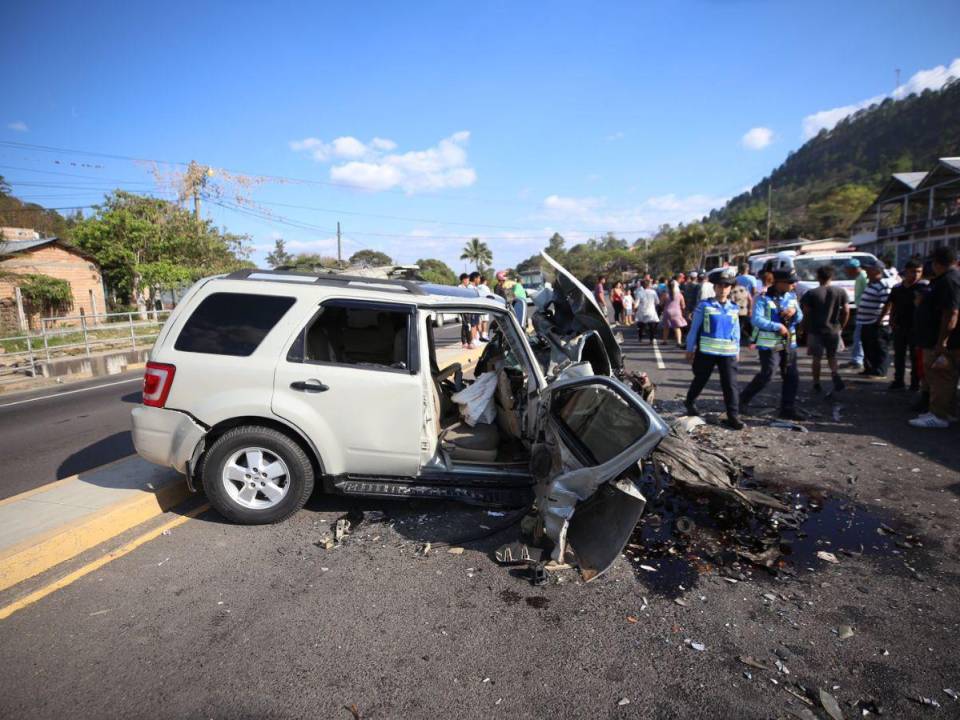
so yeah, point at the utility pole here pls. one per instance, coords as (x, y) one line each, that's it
(196, 203)
(339, 256)
(769, 210)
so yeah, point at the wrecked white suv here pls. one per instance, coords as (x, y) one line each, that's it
(263, 383)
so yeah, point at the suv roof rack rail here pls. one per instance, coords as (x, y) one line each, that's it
(328, 279)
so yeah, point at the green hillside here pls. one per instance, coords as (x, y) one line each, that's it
(825, 184)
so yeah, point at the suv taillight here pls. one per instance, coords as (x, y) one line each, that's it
(157, 381)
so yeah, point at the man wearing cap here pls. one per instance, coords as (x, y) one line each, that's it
(873, 321)
(714, 341)
(776, 315)
(859, 277)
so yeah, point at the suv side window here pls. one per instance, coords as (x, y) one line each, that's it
(231, 323)
(365, 334)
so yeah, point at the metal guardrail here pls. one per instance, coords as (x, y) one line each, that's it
(73, 335)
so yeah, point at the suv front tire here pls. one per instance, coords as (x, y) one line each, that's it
(255, 475)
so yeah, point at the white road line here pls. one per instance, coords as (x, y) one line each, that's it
(71, 392)
(658, 356)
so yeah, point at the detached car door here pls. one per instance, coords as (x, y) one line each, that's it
(597, 432)
(350, 380)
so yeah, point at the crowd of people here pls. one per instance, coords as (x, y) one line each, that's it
(475, 327)
(729, 309)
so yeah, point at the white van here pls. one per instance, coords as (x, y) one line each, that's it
(805, 266)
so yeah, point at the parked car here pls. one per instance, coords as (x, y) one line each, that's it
(262, 384)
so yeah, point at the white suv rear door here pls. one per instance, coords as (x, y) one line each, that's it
(350, 381)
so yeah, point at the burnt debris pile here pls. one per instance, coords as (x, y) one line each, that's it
(706, 514)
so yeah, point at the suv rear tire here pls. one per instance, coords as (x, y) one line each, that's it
(255, 475)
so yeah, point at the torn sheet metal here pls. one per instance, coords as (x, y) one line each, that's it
(700, 470)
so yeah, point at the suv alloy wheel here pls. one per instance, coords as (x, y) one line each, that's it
(256, 475)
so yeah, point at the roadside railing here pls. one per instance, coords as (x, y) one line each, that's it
(76, 336)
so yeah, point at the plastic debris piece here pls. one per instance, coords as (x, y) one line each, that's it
(623, 701)
(828, 557)
(689, 423)
(517, 554)
(455, 551)
(829, 703)
(648, 568)
(680, 601)
(952, 693)
(784, 425)
(879, 444)
(929, 702)
(769, 596)
(341, 530)
(782, 668)
(845, 632)
(698, 646)
(747, 660)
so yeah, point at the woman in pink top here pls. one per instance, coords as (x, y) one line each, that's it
(673, 306)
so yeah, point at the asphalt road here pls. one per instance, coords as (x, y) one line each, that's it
(222, 621)
(55, 432)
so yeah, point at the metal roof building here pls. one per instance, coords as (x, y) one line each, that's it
(913, 213)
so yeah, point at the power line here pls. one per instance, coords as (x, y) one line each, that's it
(276, 178)
(287, 179)
(54, 172)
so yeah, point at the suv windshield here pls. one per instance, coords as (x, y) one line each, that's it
(806, 268)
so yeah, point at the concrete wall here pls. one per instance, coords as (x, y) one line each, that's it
(58, 262)
(96, 365)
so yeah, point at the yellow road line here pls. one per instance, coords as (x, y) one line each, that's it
(38, 554)
(125, 549)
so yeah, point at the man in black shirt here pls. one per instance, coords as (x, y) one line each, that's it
(938, 333)
(825, 312)
(902, 307)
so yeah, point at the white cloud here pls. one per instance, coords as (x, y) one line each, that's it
(383, 144)
(757, 138)
(619, 135)
(443, 166)
(594, 215)
(572, 207)
(18, 126)
(932, 79)
(345, 147)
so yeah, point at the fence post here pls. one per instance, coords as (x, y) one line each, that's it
(83, 325)
(133, 338)
(33, 365)
(43, 331)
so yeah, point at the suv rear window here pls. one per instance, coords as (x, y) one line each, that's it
(365, 336)
(231, 323)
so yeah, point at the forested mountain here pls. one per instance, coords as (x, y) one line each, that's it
(821, 187)
(17, 213)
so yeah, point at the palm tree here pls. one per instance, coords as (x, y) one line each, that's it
(478, 253)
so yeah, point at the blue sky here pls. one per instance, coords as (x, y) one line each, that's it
(421, 124)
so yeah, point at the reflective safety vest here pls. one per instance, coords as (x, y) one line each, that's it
(766, 312)
(720, 331)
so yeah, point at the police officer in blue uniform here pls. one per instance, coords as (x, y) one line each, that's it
(776, 315)
(714, 342)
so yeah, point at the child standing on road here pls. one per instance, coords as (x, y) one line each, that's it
(627, 308)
